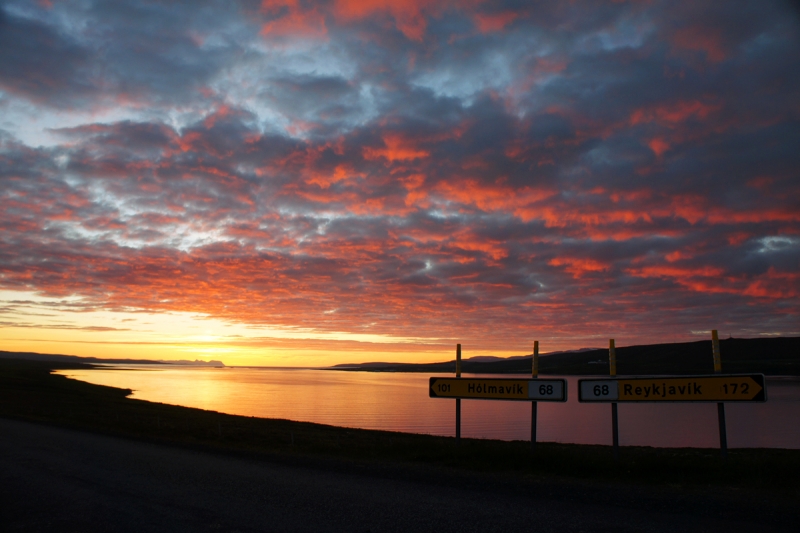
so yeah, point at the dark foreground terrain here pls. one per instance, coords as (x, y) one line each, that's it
(54, 479)
(81, 457)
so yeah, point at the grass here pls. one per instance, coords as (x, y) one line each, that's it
(29, 391)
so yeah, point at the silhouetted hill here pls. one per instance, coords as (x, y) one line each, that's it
(58, 358)
(773, 356)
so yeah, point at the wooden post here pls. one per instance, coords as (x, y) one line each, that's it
(458, 400)
(723, 433)
(534, 375)
(612, 370)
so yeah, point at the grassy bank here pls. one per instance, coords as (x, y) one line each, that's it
(28, 391)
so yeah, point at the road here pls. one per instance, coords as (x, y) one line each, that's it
(54, 479)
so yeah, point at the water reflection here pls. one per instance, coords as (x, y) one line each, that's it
(400, 402)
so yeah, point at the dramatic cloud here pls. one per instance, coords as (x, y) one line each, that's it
(481, 172)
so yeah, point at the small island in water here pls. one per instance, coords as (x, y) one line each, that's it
(58, 358)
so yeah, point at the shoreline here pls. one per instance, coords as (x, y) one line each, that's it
(30, 392)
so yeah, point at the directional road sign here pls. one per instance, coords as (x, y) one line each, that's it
(716, 388)
(540, 390)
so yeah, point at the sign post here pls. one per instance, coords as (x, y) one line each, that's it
(612, 370)
(723, 434)
(530, 389)
(458, 400)
(534, 375)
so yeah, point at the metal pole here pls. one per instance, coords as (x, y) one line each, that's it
(723, 433)
(612, 369)
(534, 375)
(458, 400)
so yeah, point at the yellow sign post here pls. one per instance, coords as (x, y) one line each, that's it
(612, 371)
(542, 390)
(458, 400)
(713, 388)
(723, 432)
(530, 390)
(534, 405)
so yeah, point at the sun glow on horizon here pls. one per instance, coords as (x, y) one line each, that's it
(69, 326)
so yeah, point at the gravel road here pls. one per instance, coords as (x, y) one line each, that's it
(53, 479)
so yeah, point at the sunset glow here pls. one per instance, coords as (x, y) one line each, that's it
(292, 183)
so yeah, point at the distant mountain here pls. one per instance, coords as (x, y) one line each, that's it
(474, 359)
(196, 362)
(57, 358)
(773, 356)
(493, 358)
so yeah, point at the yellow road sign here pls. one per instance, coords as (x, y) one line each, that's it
(542, 390)
(716, 388)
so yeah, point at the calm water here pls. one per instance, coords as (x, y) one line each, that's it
(400, 402)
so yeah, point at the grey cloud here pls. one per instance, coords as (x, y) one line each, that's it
(89, 54)
(42, 63)
(331, 103)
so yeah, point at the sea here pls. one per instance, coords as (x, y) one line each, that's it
(400, 402)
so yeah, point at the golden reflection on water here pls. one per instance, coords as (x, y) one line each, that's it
(400, 402)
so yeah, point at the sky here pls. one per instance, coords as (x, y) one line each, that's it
(300, 183)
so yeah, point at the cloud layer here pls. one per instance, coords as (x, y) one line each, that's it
(487, 172)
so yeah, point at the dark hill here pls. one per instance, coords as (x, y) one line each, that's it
(69, 359)
(58, 358)
(773, 356)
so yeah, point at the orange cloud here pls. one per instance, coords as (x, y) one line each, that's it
(668, 271)
(775, 285)
(562, 216)
(416, 194)
(578, 267)
(299, 127)
(409, 15)
(398, 148)
(700, 39)
(495, 197)
(326, 179)
(470, 242)
(677, 255)
(658, 146)
(487, 23)
(292, 19)
(675, 113)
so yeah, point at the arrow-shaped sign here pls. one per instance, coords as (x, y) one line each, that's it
(717, 388)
